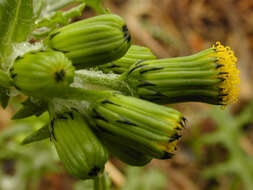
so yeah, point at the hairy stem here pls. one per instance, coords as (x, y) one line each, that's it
(98, 80)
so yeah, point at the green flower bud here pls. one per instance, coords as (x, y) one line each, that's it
(78, 148)
(42, 73)
(133, 55)
(209, 76)
(148, 128)
(92, 41)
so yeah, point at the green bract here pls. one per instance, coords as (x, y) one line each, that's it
(93, 41)
(122, 149)
(42, 73)
(133, 55)
(146, 127)
(79, 149)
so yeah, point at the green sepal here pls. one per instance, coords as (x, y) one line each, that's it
(30, 108)
(40, 134)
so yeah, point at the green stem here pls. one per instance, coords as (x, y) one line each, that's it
(83, 94)
(102, 182)
(98, 80)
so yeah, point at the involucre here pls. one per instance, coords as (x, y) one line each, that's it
(150, 129)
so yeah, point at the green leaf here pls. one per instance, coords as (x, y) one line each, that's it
(96, 5)
(51, 22)
(60, 17)
(52, 19)
(16, 19)
(38, 7)
(30, 108)
(41, 134)
(53, 5)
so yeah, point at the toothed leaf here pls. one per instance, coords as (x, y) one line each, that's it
(53, 5)
(59, 18)
(16, 19)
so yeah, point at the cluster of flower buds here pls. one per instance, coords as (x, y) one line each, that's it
(133, 130)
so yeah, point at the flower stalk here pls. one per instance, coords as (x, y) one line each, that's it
(91, 79)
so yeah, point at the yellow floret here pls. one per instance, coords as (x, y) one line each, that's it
(168, 147)
(230, 86)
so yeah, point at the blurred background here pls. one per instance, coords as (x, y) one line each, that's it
(216, 150)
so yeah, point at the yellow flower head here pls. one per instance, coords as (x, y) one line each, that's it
(228, 72)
